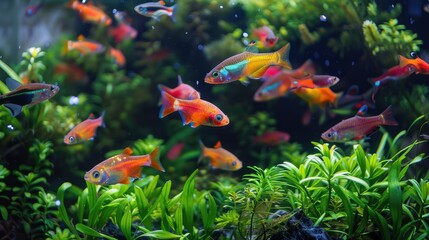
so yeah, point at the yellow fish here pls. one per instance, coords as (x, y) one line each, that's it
(220, 157)
(248, 64)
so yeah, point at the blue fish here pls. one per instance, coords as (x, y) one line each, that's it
(156, 9)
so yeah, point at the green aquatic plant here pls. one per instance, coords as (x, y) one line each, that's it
(32, 65)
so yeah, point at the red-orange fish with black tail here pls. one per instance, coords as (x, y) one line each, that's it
(123, 167)
(358, 127)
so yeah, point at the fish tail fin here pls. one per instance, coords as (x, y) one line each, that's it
(174, 12)
(169, 104)
(103, 124)
(387, 117)
(66, 47)
(154, 160)
(14, 109)
(284, 56)
(336, 101)
(403, 61)
(200, 159)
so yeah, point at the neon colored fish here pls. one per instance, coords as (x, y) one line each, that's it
(395, 73)
(90, 13)
(272, 138)
(84, 46)
(122, 167)
(358, 127)
(247, 64)
(182, 91)
(220, 158)
(156, 9)
(28, 94)
(266, 36)
(118, 56)
(85, 130)
(175, 151)
(421, 66)
(194, 112)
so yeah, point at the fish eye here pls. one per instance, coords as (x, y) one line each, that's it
(52, 88)
(329, 135)
(96, 174)
(219, 117)
(215, 74)
(71, 139)
(233, 163)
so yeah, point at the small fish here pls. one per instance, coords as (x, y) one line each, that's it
(358, 127)
(182, 91)
(220, 158)
(85, 130)
(84, 46)
(395, 73)
(317, 97)
(72, 72)
(122, 167)
(175, 151)
(305, 70)
(272, 138)
(31, 10)
(122, 32)
(420, 65)
(28, 94)
(194, 112)
(156, 9)
(247, 64)
(90, 13)
(266, 36)
(118, 56)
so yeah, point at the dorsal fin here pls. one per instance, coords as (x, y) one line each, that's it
(218, 145)
(162, 3)
(81, 37)
(91, 116)
(251, 47)
(127, 151)
(362, 111)
(12, 84)
(179, 80)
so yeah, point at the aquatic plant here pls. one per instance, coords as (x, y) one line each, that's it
(32, 65)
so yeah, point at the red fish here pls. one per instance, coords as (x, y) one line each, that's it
(395, 73)
(194, 112)
(182, 91)
(358, 127)
(118, 56)
(272, 138)
(122, 167)
(90, 13)
(175, 151)
(266, 36)
(220, 158)
(122, 32)
(85, 130)
(420, 65)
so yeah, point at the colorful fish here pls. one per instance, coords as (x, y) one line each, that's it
(317, 97)
(28, 94)
(194, 112)
(118, 56)
(84, 46)
(395, 73)
(182, 91)
(266, 36)
(90, 13)
(85, 130)
(156, 9)
(271, 138)
(358, 127)
(122, 167)
(247, 64)
(175, 151)
(220, 158)
(420, 65)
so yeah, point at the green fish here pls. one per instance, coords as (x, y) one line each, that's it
(28, 94)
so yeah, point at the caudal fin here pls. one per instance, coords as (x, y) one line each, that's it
(154, 160)
(169, 104)
(284, 56)
(387, 117)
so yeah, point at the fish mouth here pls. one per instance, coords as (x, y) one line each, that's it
(86, 177)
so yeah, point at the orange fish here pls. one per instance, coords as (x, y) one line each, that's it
(220, 158)
(182, 91)
(194, 112)
(84, 46)
(85, 130)
(118, 56)
(421, 66)
(247, 64)
(122, 167)
(90, 13)
(317, 97)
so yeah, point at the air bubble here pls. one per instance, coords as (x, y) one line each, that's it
(73, 100)
(200, 47)
(10, 127)
(323, 18)
(413, 54)
(245, 34)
